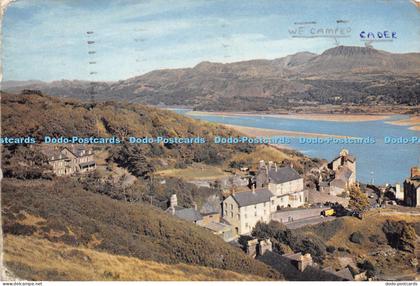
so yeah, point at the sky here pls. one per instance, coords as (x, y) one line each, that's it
(48, 40)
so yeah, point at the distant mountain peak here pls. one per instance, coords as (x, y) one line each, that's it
(350, 51)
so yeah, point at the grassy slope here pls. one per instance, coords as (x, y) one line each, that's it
(58, 261)
(60, 211)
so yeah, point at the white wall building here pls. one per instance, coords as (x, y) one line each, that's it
(277, 188)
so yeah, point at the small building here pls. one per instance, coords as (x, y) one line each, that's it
(399, 192)
(287, 216)
(412, 188)
(69, 160)
(211, 210)
(284, 182)
(343, 169)
(244, 209)
(187, 214)
(220, 229)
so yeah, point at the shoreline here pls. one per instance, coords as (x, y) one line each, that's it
(306, 116)
(255, 132)
(413, 123)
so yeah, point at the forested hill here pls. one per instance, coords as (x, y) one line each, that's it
(39, 115)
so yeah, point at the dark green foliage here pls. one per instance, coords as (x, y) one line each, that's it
(369, 267)
(295, 239)
(400, 235)
(243, 240)
(22, 162)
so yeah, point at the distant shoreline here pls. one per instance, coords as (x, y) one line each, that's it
(307, 116)
(255, 131)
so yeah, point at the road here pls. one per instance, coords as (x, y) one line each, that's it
(308, 221)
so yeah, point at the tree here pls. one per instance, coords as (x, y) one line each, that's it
(358, 200)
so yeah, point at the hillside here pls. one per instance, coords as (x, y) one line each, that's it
(61, 211)
(341, 75)
(376, 246)
(57, 261)
(40, 115)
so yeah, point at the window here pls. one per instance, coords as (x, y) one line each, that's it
(225, 205)
(226, 212)
(246, 225)
(255, 213)
(231, 214)
(231, 206)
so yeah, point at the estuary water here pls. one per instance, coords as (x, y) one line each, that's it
(380, 162)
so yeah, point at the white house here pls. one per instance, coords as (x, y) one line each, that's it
(243, 210)
(276, 188)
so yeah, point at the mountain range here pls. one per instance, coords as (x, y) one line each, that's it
(340, 75)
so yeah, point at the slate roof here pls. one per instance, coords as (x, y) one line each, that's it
(188, 214)
(344, 273)
(248, 198)
(282, 175)
(217, 226)
(87, 164)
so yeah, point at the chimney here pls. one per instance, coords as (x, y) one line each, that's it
(264, 246)
(304, 261)
(415, 172)
(251, 247)
(173, 201)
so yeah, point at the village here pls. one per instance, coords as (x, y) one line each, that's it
(275, 192)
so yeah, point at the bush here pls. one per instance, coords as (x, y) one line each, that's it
(400, 235)
(358, 200)
(377, 239)
(296, 240)
(369, 267)
(330, 248)
(356, 237)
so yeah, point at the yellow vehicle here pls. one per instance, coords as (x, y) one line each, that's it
(328, 212)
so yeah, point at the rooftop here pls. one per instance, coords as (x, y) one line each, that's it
(282, 175)
(248, 198)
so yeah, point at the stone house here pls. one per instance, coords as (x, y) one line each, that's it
(274, 188)
(412, 188)
(344, 170)
(243, 210)
(188, 214)
(69, 160)
(284, 183)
